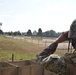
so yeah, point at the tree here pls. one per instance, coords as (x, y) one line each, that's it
(1, 32)
(52, 33)
(39, 32)
(17, 33)
(29, 33)
(46, 34)
(34, 32)
(0, 25)
(9, 33)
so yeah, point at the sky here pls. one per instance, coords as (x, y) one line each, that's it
(22, 15)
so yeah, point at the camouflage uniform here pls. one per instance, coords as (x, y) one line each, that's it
(55, 63)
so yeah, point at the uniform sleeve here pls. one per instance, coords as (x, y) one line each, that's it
(47, 51)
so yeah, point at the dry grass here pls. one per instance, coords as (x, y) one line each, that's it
(61, 52)
(22, 49)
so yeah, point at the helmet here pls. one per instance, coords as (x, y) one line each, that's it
(72, 31)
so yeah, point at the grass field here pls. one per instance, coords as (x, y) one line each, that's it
(21, 49)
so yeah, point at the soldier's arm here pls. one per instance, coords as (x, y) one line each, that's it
(52, 47)
(63, 37)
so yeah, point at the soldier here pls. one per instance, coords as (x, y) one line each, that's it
(56, 63)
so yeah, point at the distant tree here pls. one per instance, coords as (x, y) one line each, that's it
(58, 34)
(34, 32)
(24, 33)
(1, 32)
(39, 32)
(0, 25)
(51, 33)
(9, 33)
(46, 33)
(29, 33)
(17, 33)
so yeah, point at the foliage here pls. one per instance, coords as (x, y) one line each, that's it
(13, 33)
(29, 33)
(49, 33)
(34, 32)
(17, 33)
(39, 32)
(1, 32)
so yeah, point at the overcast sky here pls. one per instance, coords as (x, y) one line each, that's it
(21, 15)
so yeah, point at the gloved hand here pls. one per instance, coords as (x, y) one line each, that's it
(47, 51)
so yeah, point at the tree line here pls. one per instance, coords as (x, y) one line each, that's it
(40, 33)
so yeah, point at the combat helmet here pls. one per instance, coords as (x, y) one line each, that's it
(72, 31)
(71, 35)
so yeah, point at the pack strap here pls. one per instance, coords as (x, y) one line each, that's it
(70, 45)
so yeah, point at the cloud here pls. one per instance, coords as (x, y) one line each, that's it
(22, 0)
(4, 16)
(32, 1)
(1, 4)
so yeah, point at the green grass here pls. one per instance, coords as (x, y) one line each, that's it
(21, 49)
